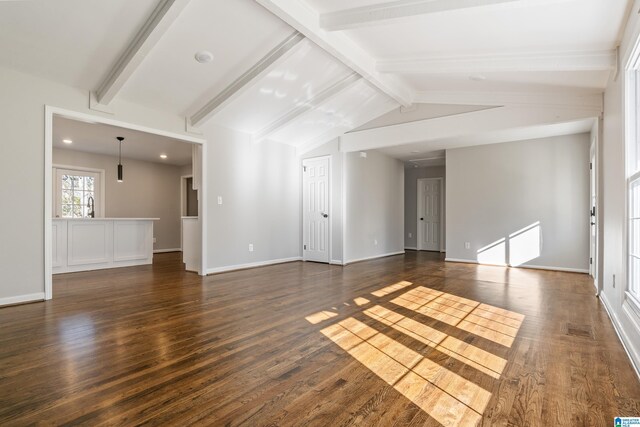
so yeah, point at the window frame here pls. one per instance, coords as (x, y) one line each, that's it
(99, 192)
(631, 111)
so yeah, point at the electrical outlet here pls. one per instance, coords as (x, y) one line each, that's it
(410, 235)
(155, 240)
(467, 245)
(219, 200)
(250, 247)
(375, 242)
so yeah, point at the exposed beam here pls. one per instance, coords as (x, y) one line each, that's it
(309, 105)
(375, 14)
(242, 83)
(302, 18)
(158, 23)
(474, 128)
(603, 60)
(577, 101)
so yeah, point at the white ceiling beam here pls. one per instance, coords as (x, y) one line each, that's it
(246, 80)
(306, 106)
(357, 17)
(152, 31)
(302, 18)
(465, 128)
(602, 60)
(592, 101)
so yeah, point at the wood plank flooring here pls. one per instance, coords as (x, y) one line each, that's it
(405, 341)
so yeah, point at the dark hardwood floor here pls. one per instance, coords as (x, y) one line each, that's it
(405, 340)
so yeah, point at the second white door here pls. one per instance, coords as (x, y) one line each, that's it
(429, 214)
(316, 209)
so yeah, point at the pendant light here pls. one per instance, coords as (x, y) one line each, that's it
(120, 139)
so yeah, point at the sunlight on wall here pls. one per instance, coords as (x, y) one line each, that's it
(407, 352)
(524, 245)
(495, 253)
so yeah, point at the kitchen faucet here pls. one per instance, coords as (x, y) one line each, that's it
(91, 205)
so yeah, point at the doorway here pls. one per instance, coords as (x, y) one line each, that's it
(200, 149)
(593, 223)
(316, 222)
(430, 214)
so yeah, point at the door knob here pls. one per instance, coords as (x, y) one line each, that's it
(421, 219)
(325, 215)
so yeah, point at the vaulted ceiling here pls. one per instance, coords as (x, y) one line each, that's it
(302, 72)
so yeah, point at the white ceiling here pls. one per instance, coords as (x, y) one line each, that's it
(523, 48)
(98, 138)
(75, 42)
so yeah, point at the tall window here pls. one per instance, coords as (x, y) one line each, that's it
(633, 182)
(77, 193)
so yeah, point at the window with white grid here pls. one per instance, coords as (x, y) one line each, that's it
(77, 193)
(633, 184)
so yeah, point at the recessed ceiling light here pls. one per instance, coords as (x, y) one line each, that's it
(204, 56)
(163, 156)
(67, 141)
(478, 77)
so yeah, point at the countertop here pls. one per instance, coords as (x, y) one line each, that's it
(106, 219)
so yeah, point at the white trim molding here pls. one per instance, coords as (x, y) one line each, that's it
(533, 267)
(410, 248)
(353, 261)
(627, 344)
(249, 265)
(394, 11)
(21, 299)
(164, 251)
(599, 60)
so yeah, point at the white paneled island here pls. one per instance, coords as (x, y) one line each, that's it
(95, 243)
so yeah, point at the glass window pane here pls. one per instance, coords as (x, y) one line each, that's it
(77, 211)
(67, 195)
(88, 183)
(634, 270)
(77, 198)
(66, 211)
(66, 182)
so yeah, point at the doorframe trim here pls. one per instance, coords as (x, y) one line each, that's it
(419, 226)
(49, 113)
(330, 191)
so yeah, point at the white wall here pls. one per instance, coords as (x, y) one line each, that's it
(259, 184)
(260, 189)
(374, 206)
(332, 149)
(150, 190)
(496, 190)
(612, 214)
(411, 177)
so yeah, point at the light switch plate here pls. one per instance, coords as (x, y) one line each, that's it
(250, 247)
(219, 200)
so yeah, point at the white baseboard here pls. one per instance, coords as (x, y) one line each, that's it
(19, 299)
(534, 267)
(410, 248)
(251, 265)
(544, 267)
(336, 262)
(161, 251)
(633, 355)
(351, 261)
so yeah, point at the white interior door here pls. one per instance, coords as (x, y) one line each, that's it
(316, 209)
(429, 214)
(593, 230)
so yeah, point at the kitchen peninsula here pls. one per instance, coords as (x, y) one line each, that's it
(82, 244)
